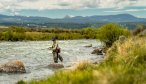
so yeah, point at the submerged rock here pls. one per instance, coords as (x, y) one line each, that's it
(97, 51)
(56, 65)
(15, 66)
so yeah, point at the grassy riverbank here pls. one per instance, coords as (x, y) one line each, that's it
(125, 63)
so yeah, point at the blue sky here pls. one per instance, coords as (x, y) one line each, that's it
(61, 8)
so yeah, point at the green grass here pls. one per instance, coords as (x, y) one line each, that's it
(125, 63)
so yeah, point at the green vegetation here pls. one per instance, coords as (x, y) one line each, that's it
(20, 34)
(139, 29)
(124, 63)
(109, 33)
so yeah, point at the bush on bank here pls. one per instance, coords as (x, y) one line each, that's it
(109, 33)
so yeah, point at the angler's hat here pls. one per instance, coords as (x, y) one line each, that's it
(53, 39)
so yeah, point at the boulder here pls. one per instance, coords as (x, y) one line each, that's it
(97, 51)
(56, 65)
(15, 66)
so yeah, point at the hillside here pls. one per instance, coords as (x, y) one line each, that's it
(71, 22)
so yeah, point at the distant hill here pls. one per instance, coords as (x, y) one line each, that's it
(107, 18)
(67, 21)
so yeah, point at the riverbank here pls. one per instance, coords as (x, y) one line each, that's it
(125, 63)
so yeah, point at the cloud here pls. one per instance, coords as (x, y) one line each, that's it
(68, 4)
(125, 10)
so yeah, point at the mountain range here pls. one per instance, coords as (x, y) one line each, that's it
(42, 21)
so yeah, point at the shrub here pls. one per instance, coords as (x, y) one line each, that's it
(109, 33)
(89, 33)
(139, 29)
(8, 35)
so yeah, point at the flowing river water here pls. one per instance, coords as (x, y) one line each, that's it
(36, 57)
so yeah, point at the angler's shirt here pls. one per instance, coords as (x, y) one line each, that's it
(54, 46)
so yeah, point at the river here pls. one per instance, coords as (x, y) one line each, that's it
(36, 57)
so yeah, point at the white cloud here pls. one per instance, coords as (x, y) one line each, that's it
(68, 4)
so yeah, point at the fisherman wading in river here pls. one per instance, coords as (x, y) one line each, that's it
(56, 50)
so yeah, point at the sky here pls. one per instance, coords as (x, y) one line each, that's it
(61, 8)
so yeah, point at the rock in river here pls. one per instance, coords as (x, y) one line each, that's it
(56, 65)
(97, 51)
(15, 66)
